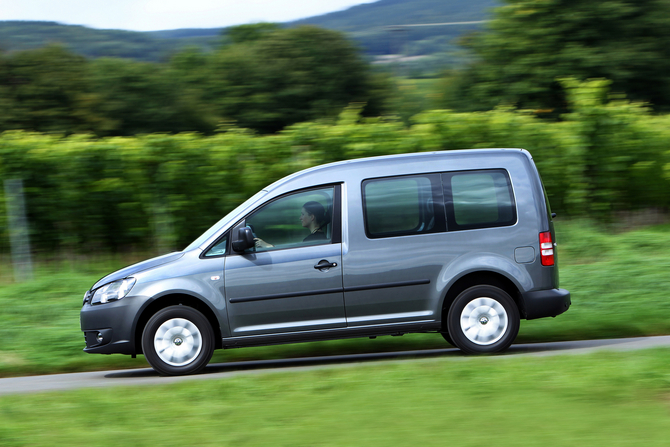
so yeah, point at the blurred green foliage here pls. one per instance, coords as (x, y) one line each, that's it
(529, 44)
(44, 90)
(602, 399)
(271, 79)
(251, 32)
(262, 77)
(162, 191)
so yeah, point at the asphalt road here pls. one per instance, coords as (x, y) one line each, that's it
(147, 376)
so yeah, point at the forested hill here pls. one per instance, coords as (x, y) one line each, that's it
(90, 42)
(367, 23)
(378, 26)
(401, 12)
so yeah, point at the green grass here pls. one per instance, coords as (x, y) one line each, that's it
(603, 399)
(619, 284)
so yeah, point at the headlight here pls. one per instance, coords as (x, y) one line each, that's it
(113, 291)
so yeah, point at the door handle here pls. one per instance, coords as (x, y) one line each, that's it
(324, 264)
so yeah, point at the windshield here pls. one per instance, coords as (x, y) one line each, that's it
(214, 228)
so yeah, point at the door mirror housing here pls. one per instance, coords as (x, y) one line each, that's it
(244, 239)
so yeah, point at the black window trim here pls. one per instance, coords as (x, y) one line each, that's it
(203, 255)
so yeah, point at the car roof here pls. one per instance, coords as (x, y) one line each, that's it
(340, 170)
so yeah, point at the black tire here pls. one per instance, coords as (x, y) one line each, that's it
(447, 337)
(178, 340)
(483, 319)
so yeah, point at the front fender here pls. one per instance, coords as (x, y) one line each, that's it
(208, 295)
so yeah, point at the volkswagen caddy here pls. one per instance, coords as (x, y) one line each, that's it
(459, 243)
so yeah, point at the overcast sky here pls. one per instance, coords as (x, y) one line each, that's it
(150, 15)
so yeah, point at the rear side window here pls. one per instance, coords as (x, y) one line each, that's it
(401, 206)
(478, 199)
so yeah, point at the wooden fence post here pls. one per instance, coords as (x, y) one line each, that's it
(19, 237)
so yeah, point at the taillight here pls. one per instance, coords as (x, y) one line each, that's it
(546, 249)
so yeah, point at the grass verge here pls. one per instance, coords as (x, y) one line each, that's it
(604, 399)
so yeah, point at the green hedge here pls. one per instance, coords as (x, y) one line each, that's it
(159, 191)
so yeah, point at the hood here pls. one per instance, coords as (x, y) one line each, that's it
(135, 268)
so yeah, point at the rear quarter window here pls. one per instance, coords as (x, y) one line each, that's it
(478, 199)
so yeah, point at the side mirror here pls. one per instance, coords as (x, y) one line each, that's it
(244, 239)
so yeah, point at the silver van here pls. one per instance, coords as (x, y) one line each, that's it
(459, 243)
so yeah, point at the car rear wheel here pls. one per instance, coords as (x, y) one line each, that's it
(178, 340)
(483, 319)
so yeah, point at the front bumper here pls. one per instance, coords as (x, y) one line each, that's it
(546, 303)
(114, 323)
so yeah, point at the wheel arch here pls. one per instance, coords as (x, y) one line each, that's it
(480, 278)
(175, 299)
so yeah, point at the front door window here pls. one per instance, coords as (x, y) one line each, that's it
(300, 219)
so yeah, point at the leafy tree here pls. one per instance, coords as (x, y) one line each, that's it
(531, 43)
(251, 32)
(44, 90)
(288, 76)
(270, 79)
(54, 90)
(141, 97)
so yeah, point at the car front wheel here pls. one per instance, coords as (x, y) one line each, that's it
(178, 340)
(483, 319)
